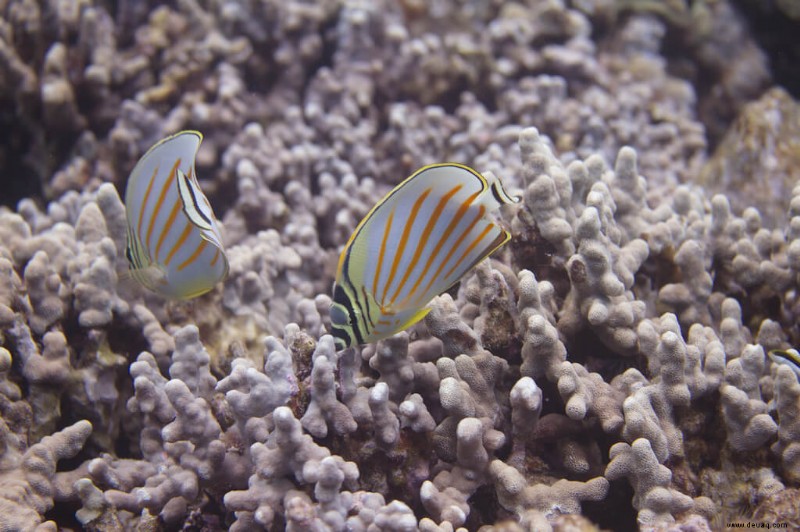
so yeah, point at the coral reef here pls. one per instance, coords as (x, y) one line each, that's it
(606, 369)
(744, 160)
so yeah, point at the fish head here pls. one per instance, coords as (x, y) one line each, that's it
(342, 316)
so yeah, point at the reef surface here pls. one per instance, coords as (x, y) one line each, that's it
(606, 369)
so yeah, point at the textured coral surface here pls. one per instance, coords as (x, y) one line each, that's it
(608, 368)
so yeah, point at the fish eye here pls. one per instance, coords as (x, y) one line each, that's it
(338, 315)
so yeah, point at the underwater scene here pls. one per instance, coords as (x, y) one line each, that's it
(399, 265)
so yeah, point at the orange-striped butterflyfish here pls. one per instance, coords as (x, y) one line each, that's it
(174, 242)
(414, 244)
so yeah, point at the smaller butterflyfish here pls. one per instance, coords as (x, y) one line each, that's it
(174, 241)
(787, 357)
(414, 244)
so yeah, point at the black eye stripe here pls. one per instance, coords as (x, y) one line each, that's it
(340, 296)
(339, 292)
(342, 335)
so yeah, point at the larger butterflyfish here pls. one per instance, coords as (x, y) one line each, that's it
(414, 244)
(174, 241)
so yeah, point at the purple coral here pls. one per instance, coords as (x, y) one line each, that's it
(618, 340)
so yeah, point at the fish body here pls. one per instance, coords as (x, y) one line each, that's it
(414, 244)
(174, 241)
(787, 357)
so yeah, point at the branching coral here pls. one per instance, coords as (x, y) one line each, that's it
(27, 487)
(654, 499)
(630, 312)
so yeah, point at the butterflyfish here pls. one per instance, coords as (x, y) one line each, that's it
(414, 244)
(787, 357)
(174, 241)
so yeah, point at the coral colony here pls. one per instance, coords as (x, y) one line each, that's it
(627, 359)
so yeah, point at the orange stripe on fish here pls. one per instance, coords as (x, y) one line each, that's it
(167, 227)
(382, 254)
(193, 256)
(412, 217)
(144, 202)
(423, 240)
(462, 210)
(160, 202)
(469, 249)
